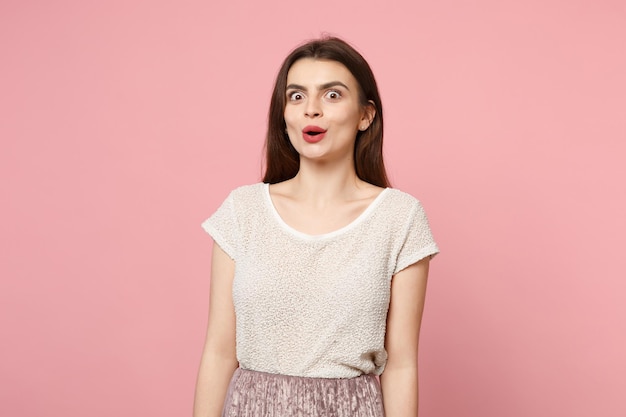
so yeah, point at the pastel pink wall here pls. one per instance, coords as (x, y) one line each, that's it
(125, 123)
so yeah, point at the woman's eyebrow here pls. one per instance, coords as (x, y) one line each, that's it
(321, 87)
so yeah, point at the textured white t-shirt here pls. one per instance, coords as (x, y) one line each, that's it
(316, 306)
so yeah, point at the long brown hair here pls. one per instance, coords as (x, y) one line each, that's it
(282, 161)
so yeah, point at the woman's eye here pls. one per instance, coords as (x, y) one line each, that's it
(295, 96)
(333, 95)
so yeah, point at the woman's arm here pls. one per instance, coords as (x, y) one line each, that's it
(399, 379)
(219, 359)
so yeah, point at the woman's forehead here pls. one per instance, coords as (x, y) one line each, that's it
(314, 72)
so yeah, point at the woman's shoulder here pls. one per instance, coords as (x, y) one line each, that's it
(248, 191)
(402, 198)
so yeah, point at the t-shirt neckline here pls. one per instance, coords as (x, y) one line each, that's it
(359, 219)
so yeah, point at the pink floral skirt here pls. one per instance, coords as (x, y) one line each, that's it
(260, 394)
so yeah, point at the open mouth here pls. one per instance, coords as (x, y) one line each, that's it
(313, 134)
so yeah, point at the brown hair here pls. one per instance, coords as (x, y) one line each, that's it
(282, 161)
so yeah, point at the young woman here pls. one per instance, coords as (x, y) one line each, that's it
(319, 272)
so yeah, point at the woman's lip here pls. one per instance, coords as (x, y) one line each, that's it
(313, 138)
(318, 135)
(313, 128)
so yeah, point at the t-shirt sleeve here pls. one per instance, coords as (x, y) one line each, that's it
(418, 241)
(224, 228)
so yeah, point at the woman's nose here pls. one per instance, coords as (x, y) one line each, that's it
(313, 108)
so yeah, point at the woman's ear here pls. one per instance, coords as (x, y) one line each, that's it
(369, 113)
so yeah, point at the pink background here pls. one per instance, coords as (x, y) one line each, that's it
(125, 123)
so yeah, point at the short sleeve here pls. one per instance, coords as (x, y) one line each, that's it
(418, 241)
(224, 228)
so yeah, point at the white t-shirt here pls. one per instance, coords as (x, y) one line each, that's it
(316, 306)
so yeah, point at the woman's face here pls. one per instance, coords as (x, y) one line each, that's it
(322, 112)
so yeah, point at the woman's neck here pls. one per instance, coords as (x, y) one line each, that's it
(326, 182)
